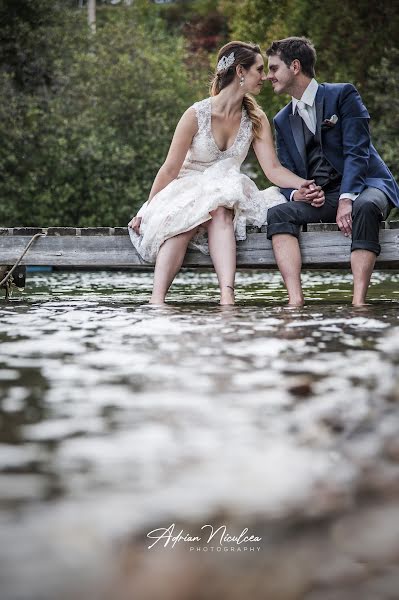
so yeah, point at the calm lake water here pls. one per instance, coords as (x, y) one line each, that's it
(118, 417)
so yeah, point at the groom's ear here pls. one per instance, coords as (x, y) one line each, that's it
(296, 66)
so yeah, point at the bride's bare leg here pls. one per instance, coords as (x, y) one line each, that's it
(169, 260)
(222, 248)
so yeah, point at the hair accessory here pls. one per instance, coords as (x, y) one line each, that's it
(225, 62)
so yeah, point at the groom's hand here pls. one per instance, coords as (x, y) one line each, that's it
(344, 216)
(310, 193)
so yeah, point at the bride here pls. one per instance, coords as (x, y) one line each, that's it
(199, 189)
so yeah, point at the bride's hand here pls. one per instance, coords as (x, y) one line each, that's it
(311, 193)
(135, 224)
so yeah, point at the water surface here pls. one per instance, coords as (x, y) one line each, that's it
(117, 416)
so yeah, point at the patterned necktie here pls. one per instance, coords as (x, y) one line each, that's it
(303, 112)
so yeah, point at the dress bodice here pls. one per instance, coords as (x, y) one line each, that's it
(204, 151)
(209, 178)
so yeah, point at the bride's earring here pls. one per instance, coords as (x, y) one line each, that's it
(242, 80)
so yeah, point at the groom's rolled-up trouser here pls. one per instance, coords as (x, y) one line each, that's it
(368, 210)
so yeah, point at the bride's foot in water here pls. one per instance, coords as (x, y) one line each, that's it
(157, 301)
(227, 295)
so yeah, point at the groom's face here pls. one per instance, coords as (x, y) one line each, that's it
(280, 76)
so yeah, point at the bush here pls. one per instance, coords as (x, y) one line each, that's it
(84, 150)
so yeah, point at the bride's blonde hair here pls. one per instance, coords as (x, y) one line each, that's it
(245, 55)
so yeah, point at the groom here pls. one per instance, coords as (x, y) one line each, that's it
(323, 134)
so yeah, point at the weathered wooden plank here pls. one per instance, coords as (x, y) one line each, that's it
(111, 247)
(80, 251)
(62, 231)
(334, 226)
(107, 231)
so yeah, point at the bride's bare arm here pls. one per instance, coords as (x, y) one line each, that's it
(186, 128)
(268, 160)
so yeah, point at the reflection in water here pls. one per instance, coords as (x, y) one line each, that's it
(116, 415)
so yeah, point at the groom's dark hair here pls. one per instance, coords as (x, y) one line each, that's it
(292, 48)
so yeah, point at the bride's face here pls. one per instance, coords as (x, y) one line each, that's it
(255, 76)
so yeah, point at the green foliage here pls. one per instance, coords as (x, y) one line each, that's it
(353, 40)
(350, 37)
(85, 152)
(86, 120)
(31, 34)
(383, 103)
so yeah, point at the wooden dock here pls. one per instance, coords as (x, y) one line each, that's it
(322, 245)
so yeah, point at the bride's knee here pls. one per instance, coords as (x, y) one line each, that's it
(188, 235)
(222, 215)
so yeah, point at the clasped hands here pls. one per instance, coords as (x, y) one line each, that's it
(314, 195)
(310, 193)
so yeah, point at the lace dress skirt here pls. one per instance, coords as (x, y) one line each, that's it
(188, 201)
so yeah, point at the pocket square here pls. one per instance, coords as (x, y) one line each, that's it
(331, 122)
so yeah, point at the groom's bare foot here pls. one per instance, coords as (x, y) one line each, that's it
(293, 306)
(227, 296)
(296, 301)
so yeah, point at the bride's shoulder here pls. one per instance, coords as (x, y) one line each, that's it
(201, 111)
(201, 104)
(188, 121)
(198, 107)
(265, 127)
(263, 116)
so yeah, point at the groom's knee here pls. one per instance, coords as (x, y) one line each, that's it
(369, 209)
(281, 219)
(371, 205)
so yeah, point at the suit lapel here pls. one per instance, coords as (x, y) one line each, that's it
(296, 129)
(319, 101)
(297, 132)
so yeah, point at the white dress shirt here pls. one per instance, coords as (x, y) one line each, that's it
(308, 98)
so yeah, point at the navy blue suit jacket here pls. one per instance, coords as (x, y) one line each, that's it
(347, 144)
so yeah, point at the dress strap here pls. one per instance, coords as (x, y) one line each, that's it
(202, 110)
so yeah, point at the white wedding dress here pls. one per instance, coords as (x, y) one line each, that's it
(209, 178)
